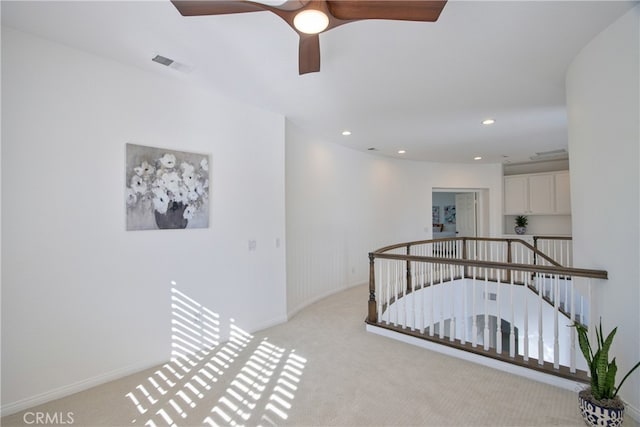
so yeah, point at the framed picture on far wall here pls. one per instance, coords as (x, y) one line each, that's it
(435, 215)
(450, 214)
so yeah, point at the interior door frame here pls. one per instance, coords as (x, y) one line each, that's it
(482, 207)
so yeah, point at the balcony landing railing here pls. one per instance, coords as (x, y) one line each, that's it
(500, 298)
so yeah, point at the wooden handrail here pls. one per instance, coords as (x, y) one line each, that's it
(547, 269)
(408, 245)
(552, 238)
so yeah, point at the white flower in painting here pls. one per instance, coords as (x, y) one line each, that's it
(187, 167)
(131, 197)
(204, 164)
(168, 161)
(160, 200)
(188, 212)
(190, 179)
(170, 181)
(193, 195)
(201, 187)
(145, 169)
(181, 194)
(138, 185)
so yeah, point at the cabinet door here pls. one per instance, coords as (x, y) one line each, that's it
(515, 195)
(563, 193)
(541, 194)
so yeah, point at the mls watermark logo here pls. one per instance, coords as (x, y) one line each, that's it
(48, 418)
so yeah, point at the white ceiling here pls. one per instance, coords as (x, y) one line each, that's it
(422, 87)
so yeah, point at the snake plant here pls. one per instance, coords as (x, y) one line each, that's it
(521, 221)
(603, 372)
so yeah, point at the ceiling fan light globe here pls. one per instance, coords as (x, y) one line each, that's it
(311, 21)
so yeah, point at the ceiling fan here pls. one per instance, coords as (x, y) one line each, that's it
(309, 18)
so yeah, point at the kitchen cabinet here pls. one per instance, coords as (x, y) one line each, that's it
(537, 194)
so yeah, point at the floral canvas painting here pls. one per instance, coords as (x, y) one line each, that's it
(450, 214)
(166, 189)
(435, 214)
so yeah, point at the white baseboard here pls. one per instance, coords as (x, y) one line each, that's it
(482, 360)
(322, 296)
(67, 390)
(632, 412)
(269, 323)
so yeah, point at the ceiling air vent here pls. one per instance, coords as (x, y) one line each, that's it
(168, 62)
(551, 155)
(162, 60)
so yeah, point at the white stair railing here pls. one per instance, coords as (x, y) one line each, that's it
(484, 293)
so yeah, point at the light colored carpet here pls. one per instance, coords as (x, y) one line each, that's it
(319, 369)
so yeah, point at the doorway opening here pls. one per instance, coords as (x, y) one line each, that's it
(459, 212)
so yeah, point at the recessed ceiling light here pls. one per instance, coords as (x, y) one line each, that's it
(311, 21)
(488, 122)
(477, 158)
(346, 132)
(401, 151)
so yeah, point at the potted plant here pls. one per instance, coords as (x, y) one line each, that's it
(600, 404)
(521, 224)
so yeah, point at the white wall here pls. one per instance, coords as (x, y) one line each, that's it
(83, 300)
(342, 204)
(604, 138)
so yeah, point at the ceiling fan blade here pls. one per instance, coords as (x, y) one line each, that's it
(214, 7)
(309, 54)
(409, 10)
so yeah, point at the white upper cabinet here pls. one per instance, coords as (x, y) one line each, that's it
(541, 194)
(537, 194)
(516, 194)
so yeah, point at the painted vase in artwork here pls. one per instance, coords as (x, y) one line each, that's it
(173, 218)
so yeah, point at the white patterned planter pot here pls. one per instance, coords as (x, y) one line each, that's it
(595, 415)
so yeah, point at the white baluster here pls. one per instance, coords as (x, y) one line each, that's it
(423, 282)
(417, 324)
(526, 325)
(388, 301)
(498, 317)
(403, 292)
(452, 286)
(540, 340)
(395, 291)
(556, 313)
(566, 296)
(572, 350)
(441, 319)
(465, 309)
(474, 322)
(379, 288)
(512, 335)
(486, 312)
(433, 295)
